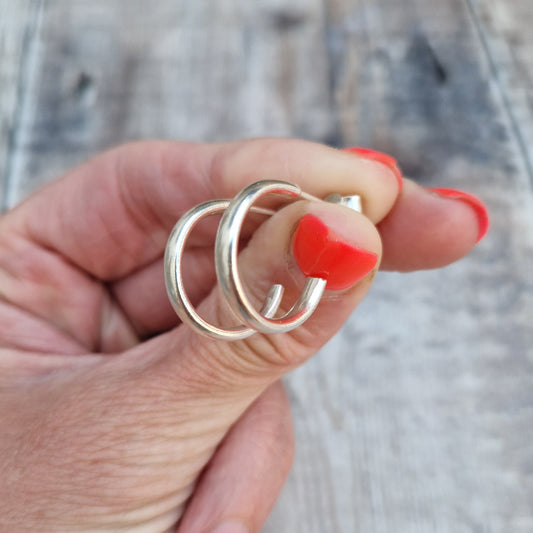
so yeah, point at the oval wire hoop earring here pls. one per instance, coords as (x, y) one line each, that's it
(226, 251)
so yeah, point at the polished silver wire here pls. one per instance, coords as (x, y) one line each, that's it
(226, 251)
(174, 279)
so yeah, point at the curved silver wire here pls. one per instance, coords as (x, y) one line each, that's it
(174, 279)
(226, 250)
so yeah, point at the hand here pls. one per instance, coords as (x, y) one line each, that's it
(111, 410)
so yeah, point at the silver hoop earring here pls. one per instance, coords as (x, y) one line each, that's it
(226, 250)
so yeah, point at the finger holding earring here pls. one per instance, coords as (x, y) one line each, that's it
(311, 232)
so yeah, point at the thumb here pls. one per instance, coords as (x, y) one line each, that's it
(305, 239)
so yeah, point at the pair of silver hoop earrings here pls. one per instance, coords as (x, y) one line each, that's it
(227, 271)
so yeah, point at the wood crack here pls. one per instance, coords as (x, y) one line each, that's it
(515, 128)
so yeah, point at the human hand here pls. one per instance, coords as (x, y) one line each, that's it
(110, 409)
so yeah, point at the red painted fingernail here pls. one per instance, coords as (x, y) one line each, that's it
(474, 202)
(380, 157)
(321, 253)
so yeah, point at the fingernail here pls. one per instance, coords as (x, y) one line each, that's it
(380, 157)
(231, 527)
(321, 253)
(474, 202)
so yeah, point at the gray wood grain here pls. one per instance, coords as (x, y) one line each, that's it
(17, 25)
(418, 417)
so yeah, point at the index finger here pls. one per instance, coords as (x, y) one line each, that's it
(112, 216)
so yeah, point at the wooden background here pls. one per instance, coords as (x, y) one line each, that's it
(418, 417)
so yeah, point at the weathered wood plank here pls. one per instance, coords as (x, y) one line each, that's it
(18, 21)
(415, 418)
(503, 31)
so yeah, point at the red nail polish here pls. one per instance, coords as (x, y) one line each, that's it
(472, 201)
(380, 157)
(321, 253)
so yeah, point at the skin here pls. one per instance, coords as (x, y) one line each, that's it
(115, 416)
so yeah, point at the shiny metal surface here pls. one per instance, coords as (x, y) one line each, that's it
(353, 202)
(226, 263)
